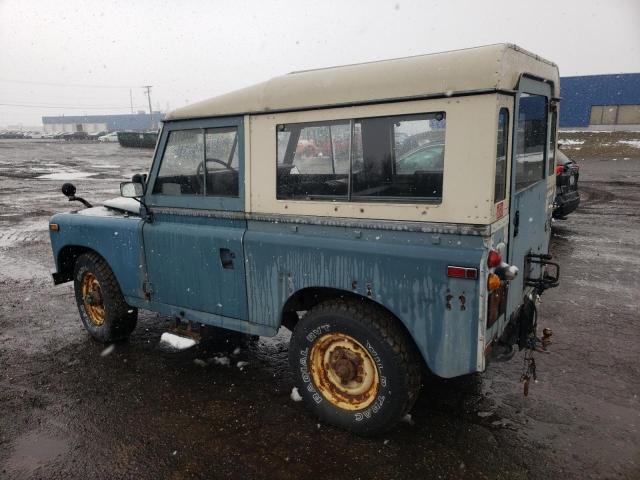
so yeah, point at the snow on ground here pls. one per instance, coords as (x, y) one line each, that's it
(566, 141)
(177, 342)
(66, 175)
(220, 361)
(633, 143)
(295, 396)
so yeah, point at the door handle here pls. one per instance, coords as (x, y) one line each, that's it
(226, 258)
(516, 223)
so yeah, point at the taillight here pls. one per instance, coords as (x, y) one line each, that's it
(462, 272)
(559, 169)
(494, 259)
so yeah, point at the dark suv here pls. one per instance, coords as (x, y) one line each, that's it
(567, 195)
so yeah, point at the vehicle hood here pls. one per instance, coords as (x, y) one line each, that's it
(123, 205)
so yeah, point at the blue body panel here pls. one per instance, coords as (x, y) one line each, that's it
(406, 272)
(115, 237)
(183, 254)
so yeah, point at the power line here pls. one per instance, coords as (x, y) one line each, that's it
(105, 107)
(53, 84)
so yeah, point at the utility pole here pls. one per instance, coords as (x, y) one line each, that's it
(131, 100)
(148, 87)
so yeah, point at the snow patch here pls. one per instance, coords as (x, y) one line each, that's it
(66, 175)
(566, 141)
(177, 342)
(295, 396)
(633, 143)
(220, 361)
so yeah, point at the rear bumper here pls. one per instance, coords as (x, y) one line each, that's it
(566, 203)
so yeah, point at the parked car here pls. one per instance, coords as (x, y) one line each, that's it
(96, 135)
(376, 268)
(567, 195)
(75, 136)
(13, 135)
(109, 137)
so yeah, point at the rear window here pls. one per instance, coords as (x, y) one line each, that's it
(396, 157)
(532, 140)
(500, 189)
(551, 162)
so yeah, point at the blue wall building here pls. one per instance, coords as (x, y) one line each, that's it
(608, 101)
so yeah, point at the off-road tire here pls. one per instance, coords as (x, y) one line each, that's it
(395, 356)
(119, 318)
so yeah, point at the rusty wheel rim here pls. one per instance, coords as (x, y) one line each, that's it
(343, 371)
(92, 299)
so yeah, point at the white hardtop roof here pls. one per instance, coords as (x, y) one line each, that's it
(492, 67)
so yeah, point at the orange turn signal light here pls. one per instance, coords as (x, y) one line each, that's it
(54, 227)
(493, 282)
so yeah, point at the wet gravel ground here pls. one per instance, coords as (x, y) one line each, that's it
(67, 411)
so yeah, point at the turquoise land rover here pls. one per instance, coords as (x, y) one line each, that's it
(394, 215)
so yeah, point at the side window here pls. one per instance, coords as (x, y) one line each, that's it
(313, 160)
(221, 153)
(390, 157)
(401, 156)
(532, 140)
(500, 189)
(181, 170)
(552, 144)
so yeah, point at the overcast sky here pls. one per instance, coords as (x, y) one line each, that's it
(59, 53)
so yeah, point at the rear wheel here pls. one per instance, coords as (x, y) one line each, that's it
(354, 366)
(103, 309)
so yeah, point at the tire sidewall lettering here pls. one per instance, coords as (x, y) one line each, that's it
(303, 361)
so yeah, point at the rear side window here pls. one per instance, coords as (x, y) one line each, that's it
(179, 173)
(313, 160)
(500, 189)
(532, 140)
(368, 158)
(399, 156)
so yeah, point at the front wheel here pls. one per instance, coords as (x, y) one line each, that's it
(103, 309)
(354, 366)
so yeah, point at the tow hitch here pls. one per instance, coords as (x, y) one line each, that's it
(545, 280)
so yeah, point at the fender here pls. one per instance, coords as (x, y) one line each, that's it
(116, 237)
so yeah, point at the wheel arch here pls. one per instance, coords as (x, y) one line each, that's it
(306, 298)
(66, 261)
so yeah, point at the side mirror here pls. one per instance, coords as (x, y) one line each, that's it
(68, 189)
(131, 189)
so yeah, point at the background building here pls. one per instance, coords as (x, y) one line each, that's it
(601, 102)
(102, 123)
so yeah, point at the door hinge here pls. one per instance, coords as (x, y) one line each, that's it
(147, 288)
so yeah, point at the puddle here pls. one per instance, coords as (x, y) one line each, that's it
(32, 451)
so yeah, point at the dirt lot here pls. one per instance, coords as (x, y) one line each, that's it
(68, 412)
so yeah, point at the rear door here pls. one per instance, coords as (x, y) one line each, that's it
(529, 230)
(193, 245)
